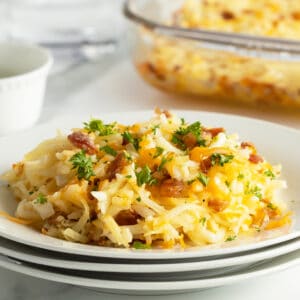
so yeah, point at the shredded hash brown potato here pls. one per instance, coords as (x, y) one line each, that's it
(186, 66)
(160, 183)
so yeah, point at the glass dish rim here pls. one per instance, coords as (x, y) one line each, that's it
(277, 46)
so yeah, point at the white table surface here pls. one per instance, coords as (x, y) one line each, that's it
(112, 85)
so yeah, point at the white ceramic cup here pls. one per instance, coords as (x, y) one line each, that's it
(23, 73)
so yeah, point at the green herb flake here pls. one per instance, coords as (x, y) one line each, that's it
(271, 206)
(256, 191)
(270, 174)
(158, 152)
(109, 150)
(220, 159)
(128, 176)
(144, 176)
(83, 164)
(99, 127)
(182, 121)
(41, 199)
(241, 176)
(154, 128)
(35, 189)
(140, 245)
(202, 221)
(138, 199)
(203, 179)
(163, 162)
(230, 238)
(127, 136)
(195, 129)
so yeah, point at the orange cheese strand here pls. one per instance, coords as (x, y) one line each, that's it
(285, 220)
(13, 219)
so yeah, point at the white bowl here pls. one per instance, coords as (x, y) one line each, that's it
(23, 72)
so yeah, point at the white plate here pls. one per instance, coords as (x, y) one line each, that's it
(278, 144)
(128, 286)
(82, 263)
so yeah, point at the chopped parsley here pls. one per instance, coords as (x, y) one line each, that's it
(83, 164)
(182, 120)
(227, 183)
(271, 206)
(128, 176)
(99, 127)
(241, 176)
(230, 238)
(158, 152)
(164, 160)
(140, 245)
(202, 221)
(194, 129)
(127, 136)
(203, 179)
(270, 174)
(138, 199)
(256, 191)
(109, 150)
(220, 159)
(35, 189)
(154, 128)
(41, 199)
(144, 176)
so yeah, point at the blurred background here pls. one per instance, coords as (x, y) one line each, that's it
(74, 30)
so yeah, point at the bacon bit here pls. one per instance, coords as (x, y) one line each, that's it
(214, 131)
(172, 188)
(247, 144)
(227, 15)
(116, 166)
(18, 168)
(254, 158)
(189, 140)
(160, 175)
(158, 111)
(205, 165)
(217, 205)
(82, 141)
(126, 217)
(296, 15)
(154, 71)
(177, 68)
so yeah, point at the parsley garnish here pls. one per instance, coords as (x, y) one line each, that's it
(154, 128)
(99, 127)
(109, 150)
(127, 136)
(35, 189)
(182, 120)
(240, 176)
(256, 191)
(41, 199)
(144, 176)
(230, 238)
(138, 199)
(271, 206)
(203, 179)
(202, 221)
(128, 176)
(270, 174)
(164, 160)
(140, 245)
(194, 129)
(83, 164)
(220, 159)
(158, 152)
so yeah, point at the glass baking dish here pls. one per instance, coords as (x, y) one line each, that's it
(211, 64)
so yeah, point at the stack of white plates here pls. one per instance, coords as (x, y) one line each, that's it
(130, 271)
